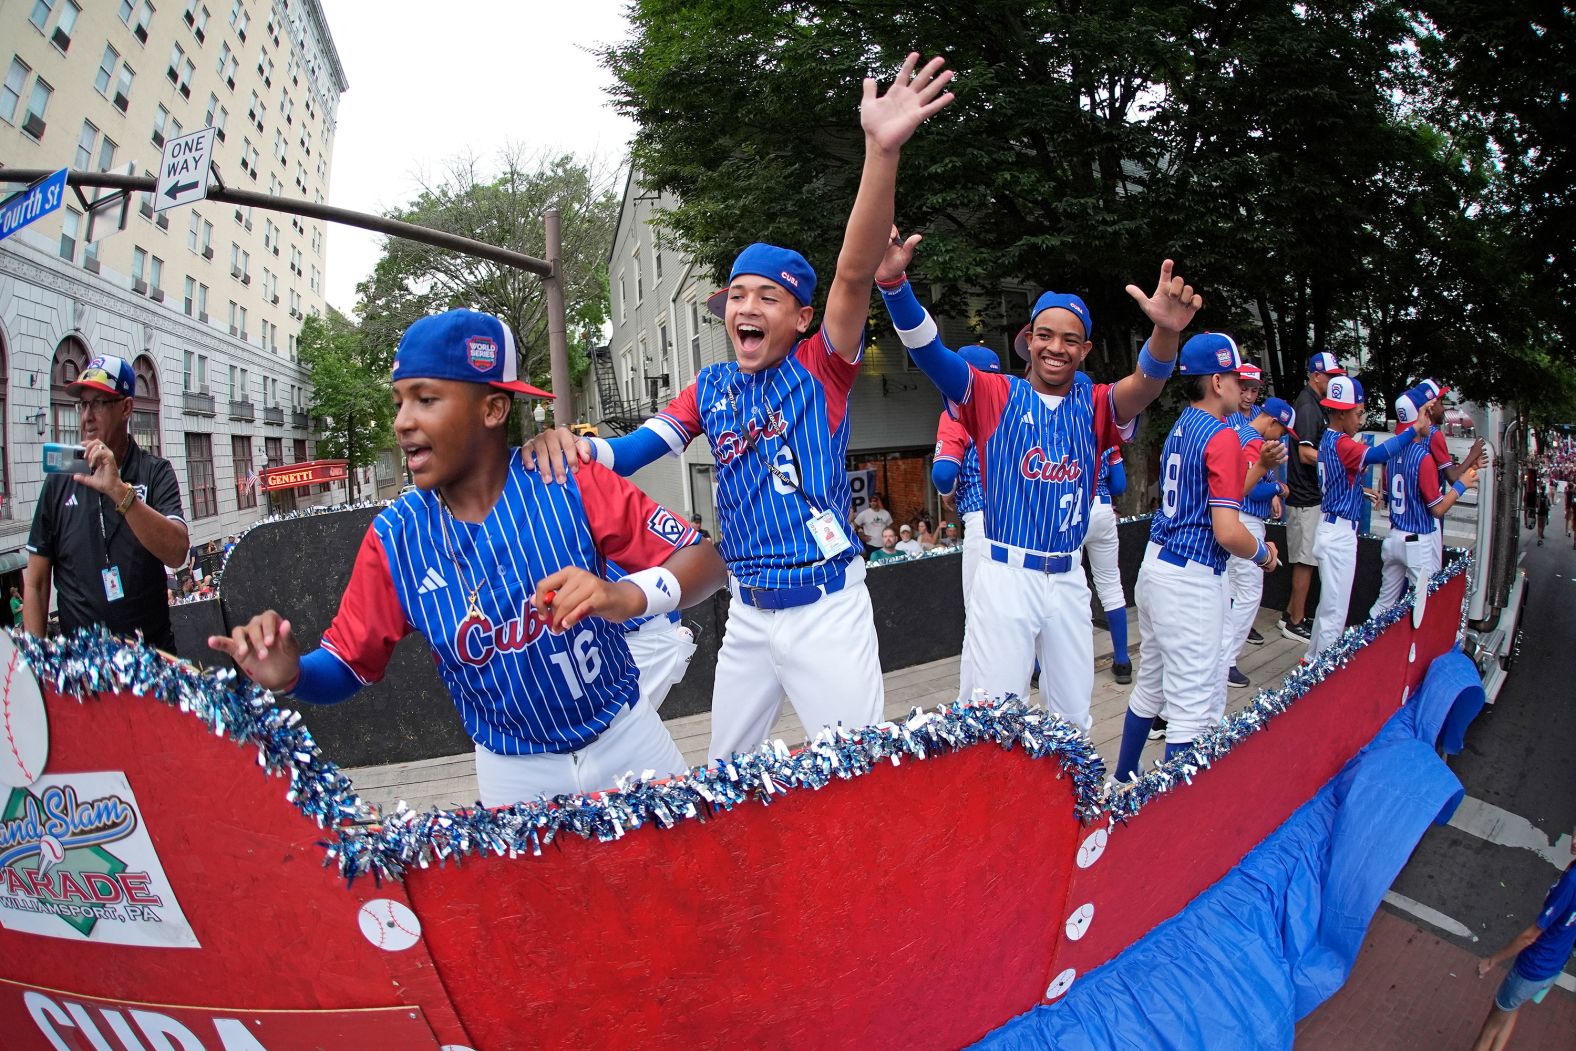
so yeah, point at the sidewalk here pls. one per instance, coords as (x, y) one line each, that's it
(1411, 990)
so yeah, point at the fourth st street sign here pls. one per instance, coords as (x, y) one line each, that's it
(183, 170)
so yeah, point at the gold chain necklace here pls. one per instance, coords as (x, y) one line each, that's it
(473, 609)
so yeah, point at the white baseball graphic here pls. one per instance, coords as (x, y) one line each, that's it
(1078, 922)
(1411, 656)
(1060, 984)
(50, 853)
(389, 925)
(24, 726)
(1092, 847)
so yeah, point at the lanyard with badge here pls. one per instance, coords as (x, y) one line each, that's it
(824, 530)
(114, 590)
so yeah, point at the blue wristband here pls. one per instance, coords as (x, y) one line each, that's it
(1459, 488)
(1153, 367)
(1262, 555)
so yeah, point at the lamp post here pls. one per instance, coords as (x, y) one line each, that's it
(539, 414)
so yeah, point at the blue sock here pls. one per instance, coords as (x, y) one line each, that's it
(1116, 620)
(1135, 731)
(1172, 750)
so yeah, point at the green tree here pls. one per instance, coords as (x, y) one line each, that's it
(413, 280)
(349, 389)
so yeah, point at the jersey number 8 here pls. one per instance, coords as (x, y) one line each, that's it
(1170, 481)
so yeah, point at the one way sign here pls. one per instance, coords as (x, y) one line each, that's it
(183, 171)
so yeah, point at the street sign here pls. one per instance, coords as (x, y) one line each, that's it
(38, 200)
(183, 170)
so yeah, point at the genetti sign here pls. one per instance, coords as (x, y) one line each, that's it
(298, 475)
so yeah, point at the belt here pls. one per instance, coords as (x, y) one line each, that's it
(1347, 522)
(1031, 560)
(1103, 499)
(789, 598)
(1175, 559)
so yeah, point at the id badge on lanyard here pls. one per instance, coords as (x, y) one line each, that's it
(828, 535)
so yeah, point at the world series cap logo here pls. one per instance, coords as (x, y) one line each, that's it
(1223, 357)
(483, 353)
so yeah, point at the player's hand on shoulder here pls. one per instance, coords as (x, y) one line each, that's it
(265, 650)
(565, 598)
(899, 254)
(555, 454)
(1174, 302)
(889, 119)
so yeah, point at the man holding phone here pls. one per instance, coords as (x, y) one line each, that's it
(107, 523)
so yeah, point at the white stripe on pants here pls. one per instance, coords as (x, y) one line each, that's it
(635, 741)
(1245, 584)
(1335, 546)
(1180, 613)
(1102, 547)
(822, 658)
(1017, 614)
(1406, 562)
(974, 545)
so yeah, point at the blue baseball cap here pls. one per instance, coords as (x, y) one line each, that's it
(781, 265)
(1280, 410)
(1325, 362)
(105, 373)
(981, 357)
(1209, 354)
(463, 345)
(1048, 300)
(1344, 393)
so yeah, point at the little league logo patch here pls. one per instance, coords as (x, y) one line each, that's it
(1223, 356)
(667, 525)
(482, 352)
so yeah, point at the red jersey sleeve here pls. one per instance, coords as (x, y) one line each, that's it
(952, 441)
(1350, 452)
(982, 405)
(680, 422)
(1107, 434)
(823, 361)
(1224, 466)
(1114, 457)
(627, 526)
(1428, 481)
(370, 621)
(1439, 449)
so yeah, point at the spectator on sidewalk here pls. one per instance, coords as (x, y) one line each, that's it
(888, 549)
(871, 520)
(1540, 953)
(906, 544)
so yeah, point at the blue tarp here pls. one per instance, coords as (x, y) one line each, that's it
(1276, 936)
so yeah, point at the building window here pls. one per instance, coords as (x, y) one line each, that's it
(123, 87)
(161, 120)
(199, 475)
(37, 108)
(245, 476)
(70, 230)
(71, 357)
(186, 375)
(106, 71)
(42, 9)
(189, 299)
(640, 281)
(86, 141)
(139, 265)
(694, 336)
(107, 154)
(145, 406)
(66, 26)
(155, 272)
(202, 302)
(193, 225)
(11, 93)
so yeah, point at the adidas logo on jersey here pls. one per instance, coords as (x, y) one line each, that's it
(431, 582)
(1028, 419)
(71, 501)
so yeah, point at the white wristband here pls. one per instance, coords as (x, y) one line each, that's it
(601, 451)
(661, 588)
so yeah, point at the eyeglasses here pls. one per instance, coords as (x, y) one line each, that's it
(97, 404)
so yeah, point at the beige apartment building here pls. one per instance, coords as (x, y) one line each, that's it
(206, 300)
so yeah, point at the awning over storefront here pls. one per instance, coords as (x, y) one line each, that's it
(301, 475)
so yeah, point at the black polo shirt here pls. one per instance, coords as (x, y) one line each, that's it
(81, 533)
(1303, 478)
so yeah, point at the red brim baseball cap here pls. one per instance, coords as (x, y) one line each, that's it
(463, 345)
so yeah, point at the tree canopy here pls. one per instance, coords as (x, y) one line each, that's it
(1335, 174)
(350, 390)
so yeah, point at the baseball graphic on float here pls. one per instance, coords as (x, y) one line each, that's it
(24, 726)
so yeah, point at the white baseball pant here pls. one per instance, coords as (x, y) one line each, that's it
(1335, 546)
(1245, 584)
(1181, 613)
(822, 658)
(635, 741)
(1409, 558)
(974, 545)
(1017, 614)
(661, 650)
(1102, 548)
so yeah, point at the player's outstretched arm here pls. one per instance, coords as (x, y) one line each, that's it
(691, 574)
(1474, 458)
(557, 453)
(915, 327)
(1457, 489)
(888, 120)
(1171, 307)
(1388, 450)
(1116, 478)
(264, 649)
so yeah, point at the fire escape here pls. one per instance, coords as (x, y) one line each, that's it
(620, 415)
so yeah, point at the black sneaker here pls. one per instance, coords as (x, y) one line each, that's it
(1298, 632)
(1235, 679)
(1122, 673)
(1157, 729)
(1254, 638)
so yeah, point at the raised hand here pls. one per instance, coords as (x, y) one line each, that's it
(1174, 303)
(565, 598)
(264, 649)
(1272, 455)
(103, 472)
(899, 254)
(1424, 422)
(890, 119)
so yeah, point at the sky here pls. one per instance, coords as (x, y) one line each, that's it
(432, 82)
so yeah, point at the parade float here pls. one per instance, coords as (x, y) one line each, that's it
(182, 868)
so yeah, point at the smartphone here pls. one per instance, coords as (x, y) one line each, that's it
(64, 459)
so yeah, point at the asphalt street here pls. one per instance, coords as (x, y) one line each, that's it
(1486, 880)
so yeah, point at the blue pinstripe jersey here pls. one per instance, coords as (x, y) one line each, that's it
(1247, 435)
(1037, 462)
(1340, 468)
(1201, 467)
(953, 443)
(797, 415)
(519, 688)
(1413, 483)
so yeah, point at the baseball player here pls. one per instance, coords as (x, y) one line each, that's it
(1251, 377)
(503, 575)
(1261, 440)
(1408, 405)
(1182, 594)
(1341, 461)
(800, 626)
(1102, 548)
(1411, 552)
(1039, 440)
(955, 472)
